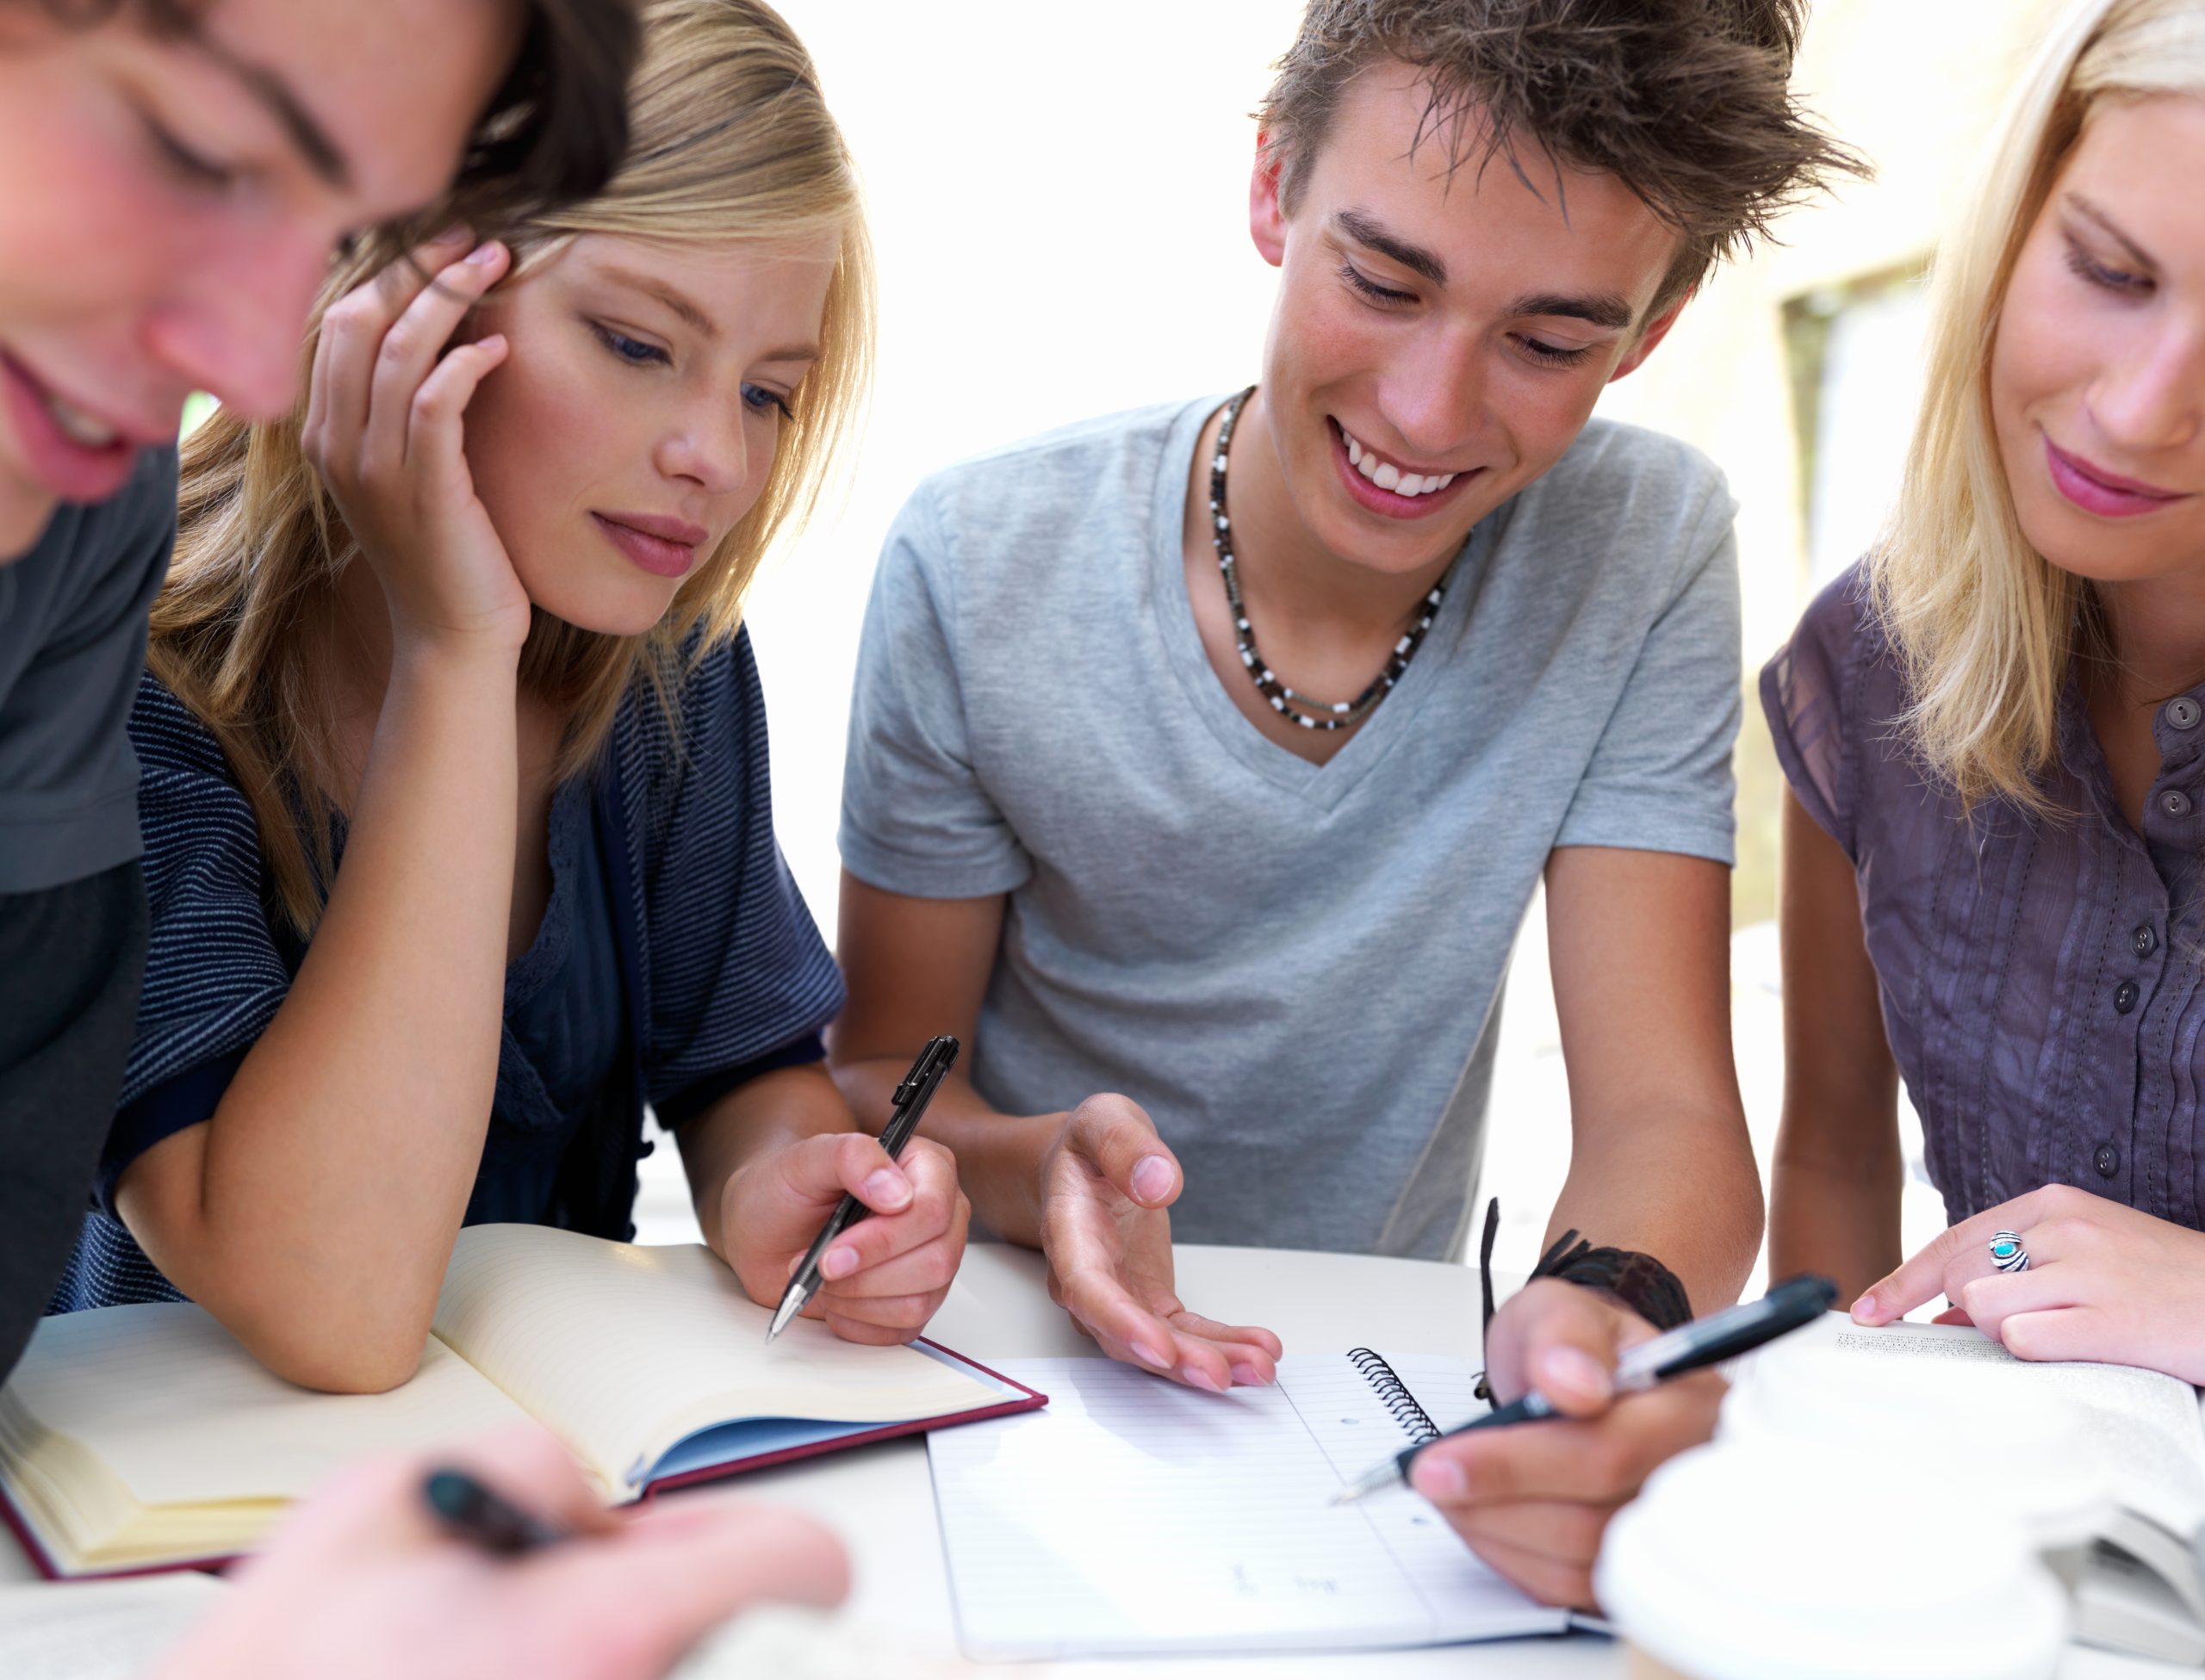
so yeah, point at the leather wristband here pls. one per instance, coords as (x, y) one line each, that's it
(1640, 1282)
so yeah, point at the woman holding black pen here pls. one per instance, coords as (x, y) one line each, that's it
(456, 800)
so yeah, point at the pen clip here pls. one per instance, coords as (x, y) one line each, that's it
(932, 1064)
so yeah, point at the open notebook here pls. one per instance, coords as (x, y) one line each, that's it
(1135, 1515)
(141, 1437)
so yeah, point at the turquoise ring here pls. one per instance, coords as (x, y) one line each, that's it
(2007, 1253)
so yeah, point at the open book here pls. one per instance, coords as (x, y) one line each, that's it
(2139, 1590)
(1137, 1516)
(138, 1437)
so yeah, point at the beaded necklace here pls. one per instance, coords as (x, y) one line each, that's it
(1308, 713)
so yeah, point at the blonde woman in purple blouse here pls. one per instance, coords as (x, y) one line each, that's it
(1994, 729)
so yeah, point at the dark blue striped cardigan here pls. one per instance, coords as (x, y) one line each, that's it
(723, 969)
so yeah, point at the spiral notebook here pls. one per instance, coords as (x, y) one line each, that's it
(1137, 1516)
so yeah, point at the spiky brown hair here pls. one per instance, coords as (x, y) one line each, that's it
(1688, 102)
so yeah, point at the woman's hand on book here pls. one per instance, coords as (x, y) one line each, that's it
(1534, 1499)
(2104, 1282)
(1108, 1183)
(385, 427)
(886, 1275)
(360, 1581)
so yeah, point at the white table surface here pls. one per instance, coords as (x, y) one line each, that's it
(880, 1500)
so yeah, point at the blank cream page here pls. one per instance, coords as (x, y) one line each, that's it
(182, 1414)
(624, 1350)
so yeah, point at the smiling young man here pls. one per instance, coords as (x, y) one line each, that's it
(173, 177)
(1204, 760)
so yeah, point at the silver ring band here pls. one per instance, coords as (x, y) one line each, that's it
(2007, 1253)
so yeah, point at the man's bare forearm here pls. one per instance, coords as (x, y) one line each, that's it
(1675, 1182)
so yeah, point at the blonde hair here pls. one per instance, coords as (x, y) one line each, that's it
(1986, 627)
(732, 141)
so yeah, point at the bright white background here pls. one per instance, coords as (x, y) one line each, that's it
(1058, 200)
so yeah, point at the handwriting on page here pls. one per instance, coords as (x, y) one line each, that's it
(1137, 1515)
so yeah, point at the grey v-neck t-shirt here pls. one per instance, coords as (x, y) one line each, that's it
(1294, 967)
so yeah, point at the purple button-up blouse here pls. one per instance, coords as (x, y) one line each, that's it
(2039, 978)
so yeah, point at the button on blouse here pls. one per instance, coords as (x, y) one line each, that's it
(2039, 978)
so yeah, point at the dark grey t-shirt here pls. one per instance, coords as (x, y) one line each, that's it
(72, 638)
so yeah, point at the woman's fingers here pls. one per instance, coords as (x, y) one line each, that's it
(407, 356)
(1959, 1253)
(931, 1207)
(353, 331)
(927, 1268)
(868, 1334)
(437, 423)
(310, 428)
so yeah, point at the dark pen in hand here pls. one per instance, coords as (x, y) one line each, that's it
(1694, 1347)
(911, 1102)
(468, 1510)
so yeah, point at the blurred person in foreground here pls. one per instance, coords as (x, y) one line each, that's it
(173, 178)
(1994, 731)
(361, 1582)
(1204, 760)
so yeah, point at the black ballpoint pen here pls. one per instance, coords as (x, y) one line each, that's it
(1693, 1347)
(911, 1102)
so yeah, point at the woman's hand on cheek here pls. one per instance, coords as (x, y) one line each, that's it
(385, 427)
(2104, 1282)
(886, 1275)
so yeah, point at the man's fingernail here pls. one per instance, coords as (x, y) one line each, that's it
(1248, 1376)
(1152, 1178)
(1865, 1307)
(1438, 1479)
(1201, 1378)
(483, 255)
(1575, 1369)
(1148, 1356)
(838, 1262)
(886, 1187)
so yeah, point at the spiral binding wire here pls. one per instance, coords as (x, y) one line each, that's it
(1394, 1395)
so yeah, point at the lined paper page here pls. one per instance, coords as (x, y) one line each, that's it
(624, 1350)
(178, 1410)
(1137, 1515)
(1355, 1430)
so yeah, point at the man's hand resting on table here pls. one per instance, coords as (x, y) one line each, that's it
(1107, 1182)
(1534, 1499)
(361, 1583)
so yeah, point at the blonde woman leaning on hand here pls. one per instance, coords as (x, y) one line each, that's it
(458, 834)
(1994, 735)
